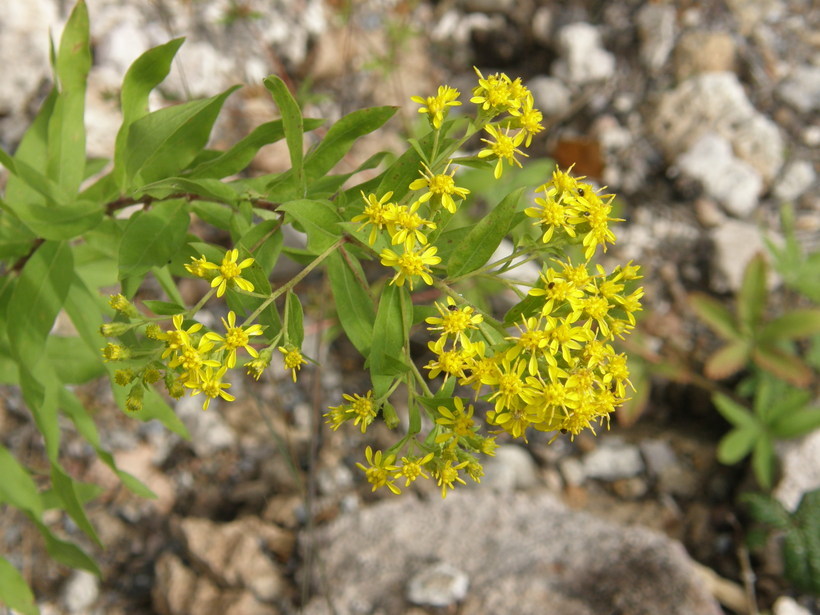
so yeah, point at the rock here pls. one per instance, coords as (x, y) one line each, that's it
(210, 432)
(786, 605)
(438, 585)
(730, 181)
(572, 470)
(801, 89)
(702, 51)
(512, 468)
(735, 244)
(658, 455)
(235, 552)
(551, 96)
(657, 29)
(800, 465)
(797, 177)
(81, 591)
(716, 104)
(613, 460)
(582, 58)
(520, 551)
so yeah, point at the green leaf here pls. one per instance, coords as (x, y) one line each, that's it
(341, 137)
(733, 412)
(65, 552)
(482, 241)
(752, 296)
(264, 242)
(238, 157)
(388, 339)
(766, 509)
(763, 461)
(735, 445)
(207, 189)
(65, 489)
(797, 324)
(319, 219)
(33, 182)
(785, 366)
(728, 360)
(17, 487)
(74, 362)
(14, 591)
(163, 308)
(354, 305)
(796, 424)
(36, 300)
(293, 314)
(152, 237)
(715, 315)
(66, 127)
(63, 222)
(146, 73)
(293, 125)
(398, 177)
(164, 142)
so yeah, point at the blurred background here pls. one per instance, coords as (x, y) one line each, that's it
(701, 116)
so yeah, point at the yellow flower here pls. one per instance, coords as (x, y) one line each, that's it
(447, 475)
(458, 422)
(235, 338)
(212, 385)
(413, 467)
(454, 321)
(411, 264)
(451, 362)
(229, 272)
(362, 409)
(406, 224)
(374, 214)
(436, 107)
(494, 93)
(504, 147)
(293, 359)
(193, 360)
(529, 118)
(381, 472)
(258, 365)
(198, 268)
(441, 186)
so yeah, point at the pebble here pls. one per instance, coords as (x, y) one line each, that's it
(551, 96)
(582, 57)
(735, 244)
(210, 433)
(700, 51)
(657, 29)
(614, 461)
(801, 89)
(800, 464)
(81, 591)
(511, 468)
(786, 605)
(439, 585)
(797, 178)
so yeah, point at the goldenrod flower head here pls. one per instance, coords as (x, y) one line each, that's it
(211, 384)
(374, 214)
(529, 118)
(258, 365)
(293, 359)
(406, 225)
(450, 362)
(235, 338)
(362, 409)
(382, 471)
(442, 186)
(230, 272)
(154, 332)
(552, 214)
(198, 268)
(124, 376)
(151, 375)
(413, 468)
(503, 147)
(116, 352)
(178, 338)
(410, 264)
(119, 303)
(447, 475)
(436, 107)
(510, 388)
(193, 359)
(494, 93)
(454, 321)
(459, 421)
(114, 329)
(133, 402)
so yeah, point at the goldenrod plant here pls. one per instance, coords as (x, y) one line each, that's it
(83, 238)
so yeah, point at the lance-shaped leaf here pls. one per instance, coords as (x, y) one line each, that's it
(153, 237)
(295, 319)
(14, 591)
(795, 325)
(354, 305)
(714, 314)
(786, 366)
(728, 360)
(389, 336)
(294, 128)
(752, 297)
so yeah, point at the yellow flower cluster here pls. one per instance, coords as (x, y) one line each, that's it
(189, 358)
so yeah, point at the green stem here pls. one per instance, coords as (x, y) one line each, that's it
(294, 281)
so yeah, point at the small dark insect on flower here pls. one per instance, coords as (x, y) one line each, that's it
(551, 285)
(452, 308)
(564, 431)
(581, 192)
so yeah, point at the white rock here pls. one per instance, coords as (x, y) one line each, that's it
(715, 103)
(657, 30)
(438, 585)
(551, 96)
(81, 591)
(800, 460)
(735, 244)
(582, 58)
(572, 470)
(732, 182)
(785, 605)
(120, 37)
(801, 89)
(797, 177)
(613, 461)
(512, 468)
(209, 431)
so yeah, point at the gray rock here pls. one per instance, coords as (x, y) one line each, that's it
(701, 51)
(735, 244)
(800, 463)
(81, 591)
(798, 176)
(572, 471)
(551, 96)
(210, 432)
(659, 456)
(657, 29)
(730, 181)
(786, 605)
(582, 57)
(438, 585)
(612, 461)
(512, 468)
(715, 103)
(520, 551)
(801, 89)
